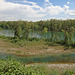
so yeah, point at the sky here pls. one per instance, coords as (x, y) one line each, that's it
(35, 10)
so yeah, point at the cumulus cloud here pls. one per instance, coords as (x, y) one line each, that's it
(55, 10)
(18, 10)
(30, 10)
(70, 12)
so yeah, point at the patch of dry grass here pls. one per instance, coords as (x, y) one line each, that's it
(31, 47)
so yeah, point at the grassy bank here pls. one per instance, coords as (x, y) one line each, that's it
(31, 46)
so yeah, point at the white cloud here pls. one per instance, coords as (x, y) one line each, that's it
(70, 12)
(54, 10)
(30, 10)
(69, 2)
(25, 1)
(66, 7)
(18, 10)
(47, 3)
(46, 0)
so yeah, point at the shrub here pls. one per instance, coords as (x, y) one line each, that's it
(48, 40)
(2, 36)
(13, 67)
(54, 72)
(52, 44)
(69, 73)
(33, 39)
(18, 52)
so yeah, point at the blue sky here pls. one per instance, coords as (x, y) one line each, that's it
(34, 10)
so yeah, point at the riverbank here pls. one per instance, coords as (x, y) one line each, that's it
(32, 48)
(58, 66)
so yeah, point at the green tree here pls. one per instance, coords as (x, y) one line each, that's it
(25, 30)
(17, 30)
(45, 31)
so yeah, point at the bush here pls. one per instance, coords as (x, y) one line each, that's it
(54, 72)
(2, 36)
(13, 67)
(52, 44)
(69, 73)
(33, 39)
(14, 40)
(48, 40)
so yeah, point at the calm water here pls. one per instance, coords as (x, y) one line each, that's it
(59, 35)
(7, 33)
(31, 34)
(63, 58)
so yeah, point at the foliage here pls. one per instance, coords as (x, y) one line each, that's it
(17, 31)
(52, 44)
(54, 72)
(22, 29)
(13, 67)
(51, 25)
(69, 73)
(33, 39)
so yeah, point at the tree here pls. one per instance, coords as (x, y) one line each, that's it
(17, 30)
(71, 32)
(45, 31)
(25, 30)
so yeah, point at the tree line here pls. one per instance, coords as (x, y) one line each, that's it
(22, 29)
(51, 25)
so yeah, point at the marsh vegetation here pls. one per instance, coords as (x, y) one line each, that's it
(51, 41)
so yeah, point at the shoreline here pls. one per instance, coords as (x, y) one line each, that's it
(32, 48)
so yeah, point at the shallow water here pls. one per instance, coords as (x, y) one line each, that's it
(59, 35)
(61, 58)
(7, 33)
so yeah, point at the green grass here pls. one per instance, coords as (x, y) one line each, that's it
(8, 50)
(18, 52)
(25, 53)
(52, 44)
(13, 67)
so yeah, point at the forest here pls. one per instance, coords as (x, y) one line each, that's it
(53, 26)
